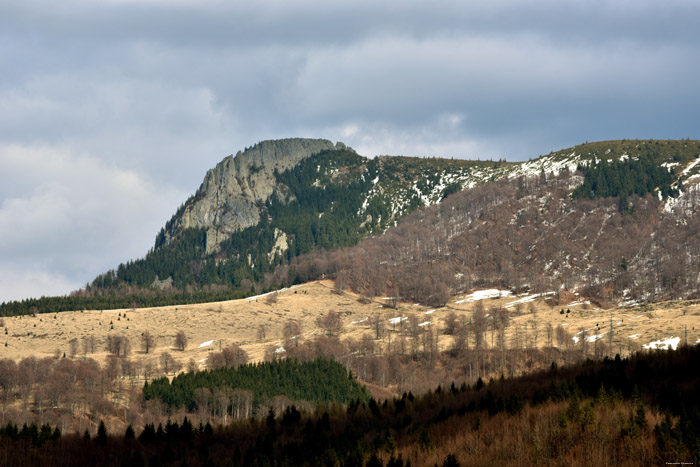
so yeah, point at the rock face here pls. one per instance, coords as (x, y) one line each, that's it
(229, 199)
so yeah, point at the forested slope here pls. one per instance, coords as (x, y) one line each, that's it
(543, 234)
(638, 411)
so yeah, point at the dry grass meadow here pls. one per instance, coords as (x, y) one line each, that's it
(238, 321)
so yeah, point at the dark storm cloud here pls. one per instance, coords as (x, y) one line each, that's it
(112, 111)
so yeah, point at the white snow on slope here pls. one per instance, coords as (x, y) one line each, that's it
(671, 342)
(206, 344)
(595, 337)
(250, 299)
(397, 320)
(690, 166)
(484, 294)
(528, 298)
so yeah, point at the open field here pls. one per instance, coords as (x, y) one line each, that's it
(211, 326)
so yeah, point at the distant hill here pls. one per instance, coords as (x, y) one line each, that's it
(621, 229)
(279, 199)
(256, 212)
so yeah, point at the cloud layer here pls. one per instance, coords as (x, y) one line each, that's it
(112, 111)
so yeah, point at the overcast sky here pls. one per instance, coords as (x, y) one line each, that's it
(111, 111)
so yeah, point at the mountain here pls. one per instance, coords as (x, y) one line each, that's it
(231, 195)
(620, 230)
(281, 199)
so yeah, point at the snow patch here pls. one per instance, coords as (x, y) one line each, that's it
(429, 312)
(397, 320)
(671, 342)
(206, 344)
(484, 294)
(250, 299)
(633, 336)
(528, 298)
(595, 337)
(690, 166)
(424, 323)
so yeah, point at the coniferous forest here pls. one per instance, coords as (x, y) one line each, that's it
(319, 382)
(637, 411)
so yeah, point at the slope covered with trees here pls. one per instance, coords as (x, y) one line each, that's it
(530, 234)
(318, 381)
(638, 411)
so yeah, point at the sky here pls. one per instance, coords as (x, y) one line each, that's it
(112, 111)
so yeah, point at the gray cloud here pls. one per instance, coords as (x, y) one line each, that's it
(112, 111)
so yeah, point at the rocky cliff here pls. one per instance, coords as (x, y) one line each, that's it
(229, 199)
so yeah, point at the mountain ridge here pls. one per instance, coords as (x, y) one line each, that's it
(282, 198)
(325, 196)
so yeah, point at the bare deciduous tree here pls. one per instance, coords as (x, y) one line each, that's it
(148, 342)
(181, 341)
(234, 356)
(291, 333)
(271, 298)
(262, 332)
(167, 363)
(450, 324)
(331, 323)
(73, 347)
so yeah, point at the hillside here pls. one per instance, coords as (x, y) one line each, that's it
(637, 411)
(534, 234)
(258, 216)
(280, 199)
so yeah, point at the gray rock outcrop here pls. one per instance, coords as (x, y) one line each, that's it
(229, 199)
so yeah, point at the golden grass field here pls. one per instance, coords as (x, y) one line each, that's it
(238, 321)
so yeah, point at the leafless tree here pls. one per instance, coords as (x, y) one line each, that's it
(167, 363)
(461, 337)
(73, 347)
(262, 332)
(181, 341)
(291, 333)
(216, 360)
(331, 323)
(234, 356)
(119, 346)
(148, 342)
(478, 329)
(378, 324)
(450, 323)
(202, 398)
(271, 298)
